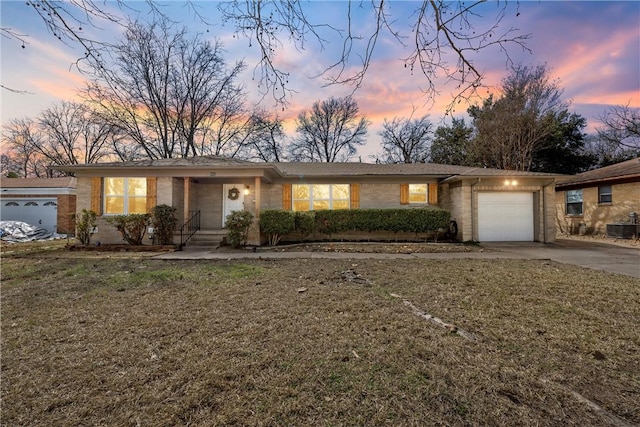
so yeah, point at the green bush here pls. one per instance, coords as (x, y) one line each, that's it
(365, 220)
(164, 221)
(305, 223)
(84, 226)
(276, 223)
(237, 224)
(393, 220)
(132, 227)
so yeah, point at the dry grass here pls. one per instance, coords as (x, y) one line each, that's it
(136, 341)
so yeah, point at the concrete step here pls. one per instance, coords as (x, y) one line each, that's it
(207, 238)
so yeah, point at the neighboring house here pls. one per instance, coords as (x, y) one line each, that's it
(43, 202)
(487, 204)
(587, 202)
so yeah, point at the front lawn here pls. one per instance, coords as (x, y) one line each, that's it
(130, 340)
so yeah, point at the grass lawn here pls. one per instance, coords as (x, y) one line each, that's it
(129, 340)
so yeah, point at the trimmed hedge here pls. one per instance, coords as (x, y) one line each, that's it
(423, 220)
(393, 220)
(276, 223)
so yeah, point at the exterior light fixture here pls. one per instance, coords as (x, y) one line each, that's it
(514, 182)
(246, 190)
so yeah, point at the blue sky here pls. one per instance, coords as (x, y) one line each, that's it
(592, 48)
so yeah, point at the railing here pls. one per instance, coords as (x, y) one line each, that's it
(189, 228)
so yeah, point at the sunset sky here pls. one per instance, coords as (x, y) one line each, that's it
(592, 48)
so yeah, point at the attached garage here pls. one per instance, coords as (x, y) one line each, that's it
(34, 211)
(505, 216)
(41, 202)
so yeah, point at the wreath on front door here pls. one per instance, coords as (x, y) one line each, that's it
(234, 193)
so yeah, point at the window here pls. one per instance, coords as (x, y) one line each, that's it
(418, 193)
(320, 196)
(604, 194)
(125, 196)
(574, 202)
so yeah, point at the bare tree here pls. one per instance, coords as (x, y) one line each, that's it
(265, 141)
(442, 39)
(330, 132)
(406, 140)
(73, 134)
(21, 137)
(621, 127)
(167, 90)
(512, 128)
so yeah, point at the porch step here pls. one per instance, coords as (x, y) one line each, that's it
(206, 239)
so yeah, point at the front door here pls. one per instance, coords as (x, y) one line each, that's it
(233, 200)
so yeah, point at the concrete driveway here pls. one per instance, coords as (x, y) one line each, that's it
(598, 256)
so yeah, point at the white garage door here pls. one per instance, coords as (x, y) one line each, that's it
(505, 217)
(39, 212)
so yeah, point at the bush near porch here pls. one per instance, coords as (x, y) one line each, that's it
(277, 224)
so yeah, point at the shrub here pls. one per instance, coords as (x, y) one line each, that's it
(393, 220)
(164, 221)
(237, 224)
(305, 223)
(84, 226)
(132, 227)
(276, 223)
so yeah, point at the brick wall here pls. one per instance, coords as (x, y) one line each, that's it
(595, 216)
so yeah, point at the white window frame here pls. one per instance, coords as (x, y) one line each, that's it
(124, 195)
(311, 198)
(573, 193)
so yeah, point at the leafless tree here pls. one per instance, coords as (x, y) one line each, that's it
(442, 39)
(433, 31)
(513, 127)
(21, 138)
(406, 140)
(265, 141)
(167, 90)
(67, 133)
(330, 132)
(621, 127)
(73, 134)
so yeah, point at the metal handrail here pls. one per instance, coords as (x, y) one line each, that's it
(189, 228)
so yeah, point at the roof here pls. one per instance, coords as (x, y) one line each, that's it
(63, 182)
(620, 171)
(307, 169)
(204, 161)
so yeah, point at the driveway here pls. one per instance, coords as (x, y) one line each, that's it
(595, 255)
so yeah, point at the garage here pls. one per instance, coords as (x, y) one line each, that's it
(34, 211)
(42, 202)
(505, 216)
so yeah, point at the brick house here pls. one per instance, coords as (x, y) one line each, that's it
(44, 202)
(487, 204)
(587, 202)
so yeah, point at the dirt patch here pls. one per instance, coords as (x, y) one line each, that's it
(139, 341)
(374, 247)
(601, 238)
